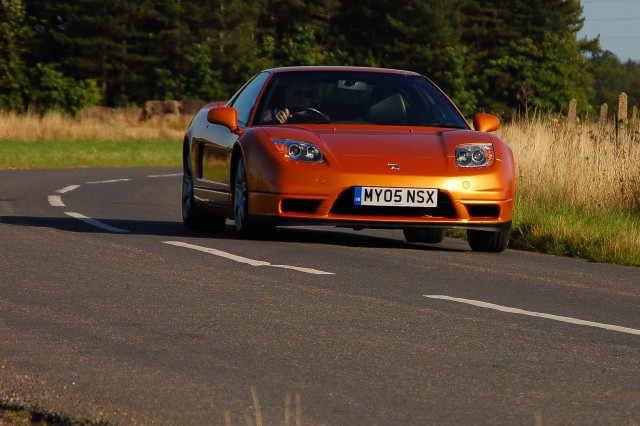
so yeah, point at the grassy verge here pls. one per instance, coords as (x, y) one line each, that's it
(596, 234)
(605, 236)
(89, 153)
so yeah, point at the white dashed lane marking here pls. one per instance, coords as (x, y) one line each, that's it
(241, 259)
(536, 314)
(67, 189)
(55, 201)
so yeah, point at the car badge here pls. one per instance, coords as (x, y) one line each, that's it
(393, 166)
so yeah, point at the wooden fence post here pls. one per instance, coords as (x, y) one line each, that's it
(572, 115)
(622, 115)
(604, 110)
(622, 107)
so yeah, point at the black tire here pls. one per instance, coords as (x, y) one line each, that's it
(246, 225)
(192, 217)
(488, 241)
(424, 235)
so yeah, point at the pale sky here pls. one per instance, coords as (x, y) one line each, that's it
(617, 22)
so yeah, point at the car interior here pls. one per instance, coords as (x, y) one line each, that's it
(382, 102)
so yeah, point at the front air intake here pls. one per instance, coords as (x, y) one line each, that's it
(299, 205)
(477, 211)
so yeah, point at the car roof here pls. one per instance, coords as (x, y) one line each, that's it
(309, 68)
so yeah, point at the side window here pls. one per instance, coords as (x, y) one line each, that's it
(246, 99)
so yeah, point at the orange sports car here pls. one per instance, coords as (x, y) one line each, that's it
(349, 147)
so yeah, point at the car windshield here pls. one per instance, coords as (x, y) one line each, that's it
(357, 98)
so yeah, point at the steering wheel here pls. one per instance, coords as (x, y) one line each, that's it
(302, 111)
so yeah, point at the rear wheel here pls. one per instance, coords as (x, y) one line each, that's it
(192, 216)
(424, 235)
(488, 241)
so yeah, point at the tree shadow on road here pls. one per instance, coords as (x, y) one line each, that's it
(174, 229)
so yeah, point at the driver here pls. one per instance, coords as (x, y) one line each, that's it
(298, 95)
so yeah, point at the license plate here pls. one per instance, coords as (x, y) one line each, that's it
(400, 197)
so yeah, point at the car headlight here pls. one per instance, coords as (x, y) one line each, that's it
(475, 155)
(298, 150)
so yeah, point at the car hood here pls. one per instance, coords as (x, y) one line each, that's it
(365, 150)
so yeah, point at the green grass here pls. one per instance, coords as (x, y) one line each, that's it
(596, 234)
(94, 153)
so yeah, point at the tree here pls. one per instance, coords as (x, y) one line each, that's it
(611, 77)
(364, 28)
(527, 52)
(228, 31)
(424, 36)
(124, 45)
(13, 71)
(497, 56)
(303, 33)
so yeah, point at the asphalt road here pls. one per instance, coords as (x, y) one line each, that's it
(110, 310)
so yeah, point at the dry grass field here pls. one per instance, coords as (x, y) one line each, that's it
(116, 128)
(578, 190)
(584, 165)
(119, 140)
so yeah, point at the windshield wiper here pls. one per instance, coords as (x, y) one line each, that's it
(446, 125)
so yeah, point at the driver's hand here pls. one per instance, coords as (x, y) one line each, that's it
(283, 115)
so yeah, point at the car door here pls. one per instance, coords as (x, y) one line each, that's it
(218, 141)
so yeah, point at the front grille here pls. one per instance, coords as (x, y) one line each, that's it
(344, 206)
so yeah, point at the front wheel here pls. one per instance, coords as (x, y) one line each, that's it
(488, 241)
(241, 199)
(246, 225)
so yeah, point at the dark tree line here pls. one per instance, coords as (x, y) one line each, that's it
(497, 56)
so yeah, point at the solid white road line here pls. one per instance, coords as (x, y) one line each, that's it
(219, 253)
(161, 176)
(67, 189)
(96, 223)
(55, 200)
(241, 259)
(107, 181)
(301, 269)
(537, 314)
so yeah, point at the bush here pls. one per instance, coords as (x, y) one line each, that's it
(52, 90)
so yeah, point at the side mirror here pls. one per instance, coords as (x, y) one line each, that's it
(486, 122)
(225, 116)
